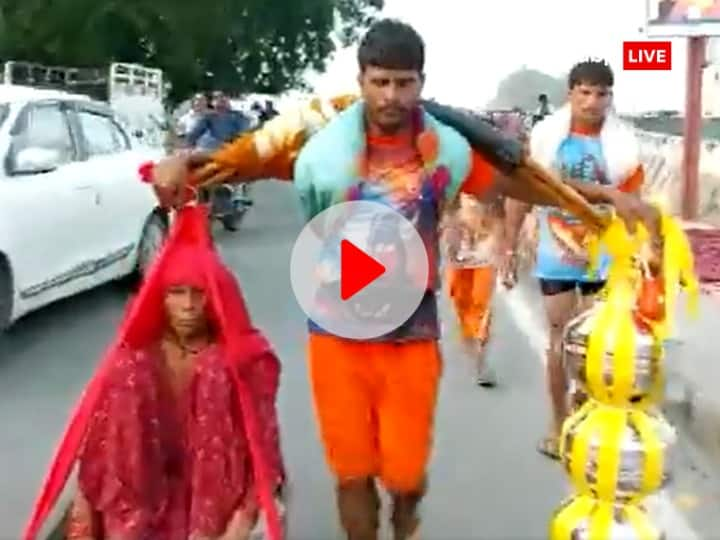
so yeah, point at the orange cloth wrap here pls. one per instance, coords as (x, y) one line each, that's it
(471, 291)
(375, 404)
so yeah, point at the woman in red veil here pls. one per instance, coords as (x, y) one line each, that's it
(176, 436)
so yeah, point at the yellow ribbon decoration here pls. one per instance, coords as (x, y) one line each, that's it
(613, 325)
(679, 272)
(678, 261)
(598, 517)
(576, 456)
(570, 514)
(600, 525)
(652, 477)
(604, 427)
(595, 354)
(601, 423)
(614, 319)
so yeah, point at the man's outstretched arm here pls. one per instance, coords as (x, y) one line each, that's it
(486, 183)
(266, 153)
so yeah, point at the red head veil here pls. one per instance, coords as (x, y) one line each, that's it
(187, 257)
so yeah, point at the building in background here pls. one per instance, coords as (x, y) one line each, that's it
(711, 81)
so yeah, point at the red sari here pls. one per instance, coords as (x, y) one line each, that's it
(164, 466)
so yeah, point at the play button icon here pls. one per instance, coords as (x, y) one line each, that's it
(359, 270)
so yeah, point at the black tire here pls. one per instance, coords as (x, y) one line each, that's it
(6, 294)
(231, 222)
(153, 235)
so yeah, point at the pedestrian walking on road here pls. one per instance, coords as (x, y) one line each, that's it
(595, 150)
(374, 399)
(472, 233)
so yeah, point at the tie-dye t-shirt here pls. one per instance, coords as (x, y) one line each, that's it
(562, 239)
(395, 175)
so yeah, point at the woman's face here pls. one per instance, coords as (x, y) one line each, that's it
(185, 309)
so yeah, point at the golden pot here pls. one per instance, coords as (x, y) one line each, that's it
(617, 454)
(643, 380)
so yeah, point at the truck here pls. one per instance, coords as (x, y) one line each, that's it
(135, 92)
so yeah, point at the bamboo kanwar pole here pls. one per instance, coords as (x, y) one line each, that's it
(533, 173)
(506, 154)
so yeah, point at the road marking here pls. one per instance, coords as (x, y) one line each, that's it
(665, 514)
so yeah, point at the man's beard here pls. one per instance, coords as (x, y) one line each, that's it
(392, 127)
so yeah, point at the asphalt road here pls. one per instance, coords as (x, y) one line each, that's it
(487, 481)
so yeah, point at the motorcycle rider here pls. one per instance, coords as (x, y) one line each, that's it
(222, 124)
(199, 108)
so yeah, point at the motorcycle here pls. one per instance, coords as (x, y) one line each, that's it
(228, 203)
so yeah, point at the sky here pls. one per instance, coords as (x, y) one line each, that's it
(472, 44)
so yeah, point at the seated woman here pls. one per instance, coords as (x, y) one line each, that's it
(177, 436)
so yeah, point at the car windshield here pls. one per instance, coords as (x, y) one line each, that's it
(4, 110)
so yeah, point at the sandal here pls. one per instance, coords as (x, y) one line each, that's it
(549, 447)
(486, 377)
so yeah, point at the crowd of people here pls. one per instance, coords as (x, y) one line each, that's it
(212, 120)
(177, 436)
(210, 123)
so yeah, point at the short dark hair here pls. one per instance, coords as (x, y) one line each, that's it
(542, 97)
(591, 72)
(392, 44)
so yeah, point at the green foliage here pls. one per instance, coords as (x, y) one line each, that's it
(236, 45)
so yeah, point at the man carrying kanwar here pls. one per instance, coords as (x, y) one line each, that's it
(374, 400)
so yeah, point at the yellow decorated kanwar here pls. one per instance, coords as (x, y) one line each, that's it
(615, 446)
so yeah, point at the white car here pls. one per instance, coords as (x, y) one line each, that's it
(73, 213)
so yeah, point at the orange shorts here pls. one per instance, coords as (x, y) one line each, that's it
(471, 290)
(375, 404)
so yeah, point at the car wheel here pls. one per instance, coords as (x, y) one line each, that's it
(6, 295)
(153, 235)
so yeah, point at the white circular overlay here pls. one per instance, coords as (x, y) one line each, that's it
(317, 270)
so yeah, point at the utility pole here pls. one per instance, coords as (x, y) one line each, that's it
(692, 132)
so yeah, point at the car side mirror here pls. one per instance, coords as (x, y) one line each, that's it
(36, 160)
